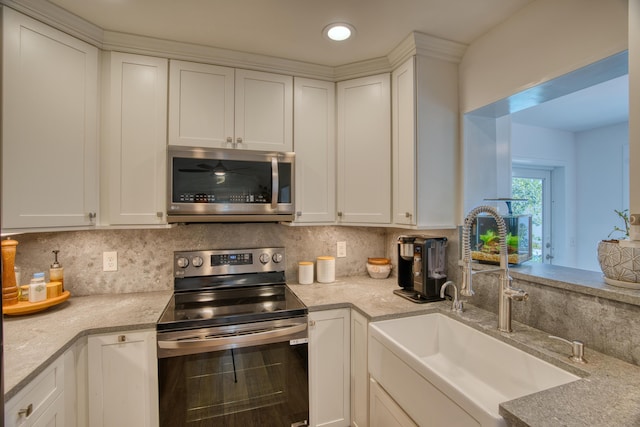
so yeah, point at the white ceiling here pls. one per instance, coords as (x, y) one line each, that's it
(292, 29)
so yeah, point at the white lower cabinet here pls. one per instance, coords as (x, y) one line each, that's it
(123, 379)
(42, 401)
(385, 412)
(359, 371)
(329, 368)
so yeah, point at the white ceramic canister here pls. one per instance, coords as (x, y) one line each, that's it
(326, 269)
(305, 272)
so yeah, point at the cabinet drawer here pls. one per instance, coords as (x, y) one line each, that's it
(34, 399)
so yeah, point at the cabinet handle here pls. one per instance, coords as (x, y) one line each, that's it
(92, 216)
(25, 412)
(298, 213)
(340, 214)
(408, 215)
(159, 214)
(122, 338)
(312, 323)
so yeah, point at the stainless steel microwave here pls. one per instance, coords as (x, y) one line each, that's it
(229, 185)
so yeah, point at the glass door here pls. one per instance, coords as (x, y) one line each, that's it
(534, 185)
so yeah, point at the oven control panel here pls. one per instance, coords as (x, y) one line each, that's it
(227, 261)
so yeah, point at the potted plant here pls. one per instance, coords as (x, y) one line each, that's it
(619, 258)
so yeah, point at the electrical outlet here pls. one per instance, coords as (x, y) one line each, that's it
(110, 261)
(341, 249)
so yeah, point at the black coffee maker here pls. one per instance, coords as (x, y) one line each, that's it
(422, 267)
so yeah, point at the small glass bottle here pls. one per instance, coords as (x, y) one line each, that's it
(37, 288)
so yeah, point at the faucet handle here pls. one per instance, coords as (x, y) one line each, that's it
(577, 349)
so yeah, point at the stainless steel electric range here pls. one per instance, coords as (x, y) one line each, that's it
(232, 342)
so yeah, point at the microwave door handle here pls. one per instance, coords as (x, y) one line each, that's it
(275, 183)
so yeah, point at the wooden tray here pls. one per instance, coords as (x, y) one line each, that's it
(26, 307)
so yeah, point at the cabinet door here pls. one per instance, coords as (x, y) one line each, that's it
(404, 144)
(364, 150)
(123, 379)
(329, 366)
(41, 400)
(385, 412)
(49, 126)
(315, 146)
(359, 371)
(264, 111)
(201, 105)
(134, 154)
(54, 415)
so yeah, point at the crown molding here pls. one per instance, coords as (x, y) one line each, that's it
(422, 44)
(212, 55)
(415, 43)
(58, 18)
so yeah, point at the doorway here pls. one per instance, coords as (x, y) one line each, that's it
(534, 185)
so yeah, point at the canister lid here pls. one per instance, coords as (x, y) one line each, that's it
(325, 258)
(305, 263)
(379, 261)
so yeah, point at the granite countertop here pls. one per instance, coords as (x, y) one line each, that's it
(608, 393)
(32, 342)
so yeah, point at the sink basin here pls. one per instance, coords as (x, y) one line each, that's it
(443, 372)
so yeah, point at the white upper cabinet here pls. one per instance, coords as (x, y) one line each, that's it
(49, 126)
(201, 105)
(364, 150)
(425, 135)
(212, 106)
(315, 147)
(134, 153)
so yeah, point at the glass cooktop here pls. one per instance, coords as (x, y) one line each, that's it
(226, 306)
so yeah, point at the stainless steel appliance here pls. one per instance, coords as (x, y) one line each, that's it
(422, 267)
(232, 342)
(229, 185)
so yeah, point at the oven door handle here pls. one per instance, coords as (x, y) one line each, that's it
(262, 337)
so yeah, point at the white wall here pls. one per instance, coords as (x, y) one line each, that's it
(554, 150)
(544, 40)
(600, 178)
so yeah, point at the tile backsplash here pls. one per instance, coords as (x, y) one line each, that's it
(145, 255)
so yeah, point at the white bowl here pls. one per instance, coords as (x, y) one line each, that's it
(379, 271)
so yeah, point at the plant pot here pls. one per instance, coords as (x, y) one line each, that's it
(620, 262)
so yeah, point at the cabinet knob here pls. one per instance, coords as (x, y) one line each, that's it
(229, 139)
(312, 323)
(408, 215)
(340, 214)
(239, 140)
(25, 412)
(298, 213)
(92, 216)
(159, 214)
(122, 338)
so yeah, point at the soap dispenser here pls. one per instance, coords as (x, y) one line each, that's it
(56, 272)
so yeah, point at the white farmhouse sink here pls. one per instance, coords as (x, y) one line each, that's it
(443, 372)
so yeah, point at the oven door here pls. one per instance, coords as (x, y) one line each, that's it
(236, 375)
(217, 184)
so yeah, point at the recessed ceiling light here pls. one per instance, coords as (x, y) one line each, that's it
(338, 31)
